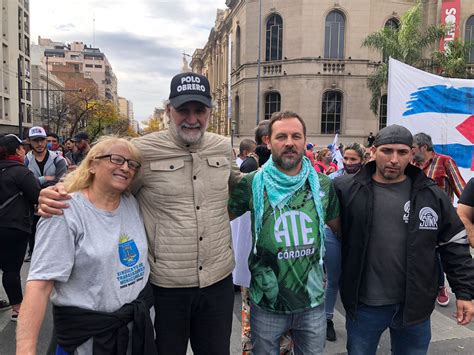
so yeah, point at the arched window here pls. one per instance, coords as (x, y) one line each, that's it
(392, 23)
(469, 37)
(334, 35)
(272, 104)
(274, 38)
(236, 114)
(237, 47)
(331, 113)
(383, 112)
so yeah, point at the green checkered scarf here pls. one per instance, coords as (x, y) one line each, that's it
(280, 188)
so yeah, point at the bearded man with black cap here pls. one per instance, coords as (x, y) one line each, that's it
(396, 219)
(183, 188)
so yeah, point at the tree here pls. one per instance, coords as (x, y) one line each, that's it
(452, 63)
(81, 106)
(58, 113)
(104, 117)
(153, 124)
(405, 43)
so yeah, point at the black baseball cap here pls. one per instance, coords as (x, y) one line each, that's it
(10, 141)
(187, 87)
(393, 134)
(80, 136)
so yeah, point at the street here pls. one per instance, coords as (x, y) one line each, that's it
(447, 336)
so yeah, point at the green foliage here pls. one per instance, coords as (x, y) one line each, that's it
(406, 44)
(452, 63)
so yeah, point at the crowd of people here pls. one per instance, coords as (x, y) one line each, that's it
(137, 253)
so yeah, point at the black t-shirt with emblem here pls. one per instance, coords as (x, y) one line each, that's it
(384, 275)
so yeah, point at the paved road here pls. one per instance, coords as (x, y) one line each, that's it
(447, 336)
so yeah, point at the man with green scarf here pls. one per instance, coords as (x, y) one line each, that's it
(289, 204)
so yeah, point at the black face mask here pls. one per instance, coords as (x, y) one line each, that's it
(353, 168)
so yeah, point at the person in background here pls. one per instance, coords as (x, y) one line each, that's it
(466, 210)
(323, 162)
(81, 141)
(247, 155)
(261, 138)
(101, 234)
(19, 192)
(52, 140)
(444, 171)
(353, 159)
(310, 154)
(370, 140)
(47, 166)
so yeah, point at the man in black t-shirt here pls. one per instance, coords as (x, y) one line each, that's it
(466, 210)
(394, 219)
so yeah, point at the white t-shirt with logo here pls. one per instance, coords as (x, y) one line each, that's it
(98, 259)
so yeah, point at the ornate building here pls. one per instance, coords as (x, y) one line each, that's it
(312, 62)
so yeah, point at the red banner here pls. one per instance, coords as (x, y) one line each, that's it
(450, 15)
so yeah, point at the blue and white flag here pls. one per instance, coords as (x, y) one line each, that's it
(440, 107)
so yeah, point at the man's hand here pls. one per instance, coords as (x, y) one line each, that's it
(51, 199)
(50, 178)
(465, 311)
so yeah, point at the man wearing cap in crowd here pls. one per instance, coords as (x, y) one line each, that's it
(183, 188)
(47, 166)
(81, 140)
(396, 219)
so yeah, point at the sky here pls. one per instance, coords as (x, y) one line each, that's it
(143, 39)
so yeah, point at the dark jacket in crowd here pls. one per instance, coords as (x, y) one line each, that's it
(356, 198)
(19, 191)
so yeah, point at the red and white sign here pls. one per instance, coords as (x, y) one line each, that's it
(450, 16)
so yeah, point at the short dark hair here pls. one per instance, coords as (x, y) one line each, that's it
(54, 135)
(261, 131)
(246, 144)
(283, 115)
(423, 139)
(68, 139)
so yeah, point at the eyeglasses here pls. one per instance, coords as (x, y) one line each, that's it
(120, 160)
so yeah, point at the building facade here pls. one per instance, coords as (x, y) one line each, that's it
(312, 62)
(90, 62)
(15, 78)
(125, 109)
(47, 98)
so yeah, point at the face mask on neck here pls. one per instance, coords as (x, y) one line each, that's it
(353, 168)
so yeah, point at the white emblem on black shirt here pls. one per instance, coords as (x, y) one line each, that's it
(428, 219)
(406, 208)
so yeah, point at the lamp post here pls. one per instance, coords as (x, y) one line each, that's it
(47, 91)
(259, 57)
(20, 94)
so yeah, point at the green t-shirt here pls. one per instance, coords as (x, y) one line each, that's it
(286, 276)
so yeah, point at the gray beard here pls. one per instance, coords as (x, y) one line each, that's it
(186, 139)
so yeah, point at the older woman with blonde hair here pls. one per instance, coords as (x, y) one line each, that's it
(92, 260)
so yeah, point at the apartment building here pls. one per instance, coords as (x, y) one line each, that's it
(15, 78)
(91, 62)
(312, 62)
(125, 109)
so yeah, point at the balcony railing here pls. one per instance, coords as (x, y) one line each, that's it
(333, 67)
(272, 69)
